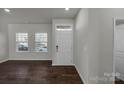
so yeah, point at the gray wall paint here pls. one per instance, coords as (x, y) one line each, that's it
(86, 51)
(106, 28)
(81, 24)
(4, 49)
(31, 29)
(94, 43)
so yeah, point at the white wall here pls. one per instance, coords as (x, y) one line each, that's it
(86, 53)
(119, 50)
(106, 25)
(31, 29)
(94, 49)
(4, 52)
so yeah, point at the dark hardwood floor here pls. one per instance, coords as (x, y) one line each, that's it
(118, 81)
(37, 72)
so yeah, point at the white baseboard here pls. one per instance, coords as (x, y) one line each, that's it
(27, 59)
(63, 64)
(4, 60)
(82, 78)
(1, 61)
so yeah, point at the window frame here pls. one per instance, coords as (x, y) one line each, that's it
(17, 48)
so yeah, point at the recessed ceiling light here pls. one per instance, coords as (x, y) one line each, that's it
(7, 10)
(67, 9)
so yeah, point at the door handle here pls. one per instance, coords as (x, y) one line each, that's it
(57, 48)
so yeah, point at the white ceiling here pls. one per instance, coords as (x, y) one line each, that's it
(37, 15)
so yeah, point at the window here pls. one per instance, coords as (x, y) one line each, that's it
(41, 42)
(21, 42)
(63, 27)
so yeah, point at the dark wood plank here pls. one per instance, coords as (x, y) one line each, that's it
(118, 81)
(37, 72)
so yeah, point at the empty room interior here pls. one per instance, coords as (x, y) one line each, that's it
(61, 45)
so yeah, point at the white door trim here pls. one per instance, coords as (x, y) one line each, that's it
(114, 47)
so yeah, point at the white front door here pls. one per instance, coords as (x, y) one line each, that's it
(64, 48)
